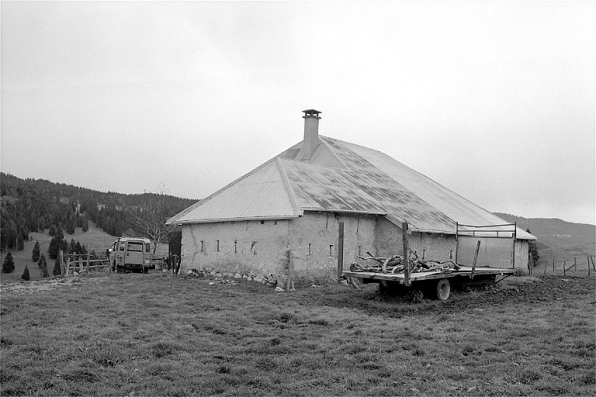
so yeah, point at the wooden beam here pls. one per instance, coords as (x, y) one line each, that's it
(475, 259)
(404, 233)
(340, 251)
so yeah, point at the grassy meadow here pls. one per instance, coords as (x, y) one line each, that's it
(167, 335)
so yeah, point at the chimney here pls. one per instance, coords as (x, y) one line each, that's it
(311, 133)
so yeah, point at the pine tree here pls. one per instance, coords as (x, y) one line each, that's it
(54, 247)
(26, 275)
(52, 231)
(63, 245)
(35, 253)
(70, 226)
(533, 251)
(72, 248)
(20, 243)
(59, 232)
(8, 265)
(43, 267)
(57, 271)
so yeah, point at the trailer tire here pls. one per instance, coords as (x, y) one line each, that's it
(443, 289)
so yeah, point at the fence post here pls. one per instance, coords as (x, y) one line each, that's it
(404, 235)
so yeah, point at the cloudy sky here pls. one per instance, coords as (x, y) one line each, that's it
(494, 100)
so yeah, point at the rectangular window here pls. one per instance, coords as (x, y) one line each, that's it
(309, 249)
(330, 250)
(217, 245)
(147, 247)
(202, 246)
(136, 247)
(235, 247)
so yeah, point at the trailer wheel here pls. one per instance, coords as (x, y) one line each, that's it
(443, 289)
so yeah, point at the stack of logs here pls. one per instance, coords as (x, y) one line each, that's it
(395, 264)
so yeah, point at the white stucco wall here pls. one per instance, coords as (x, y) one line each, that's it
(261, 247)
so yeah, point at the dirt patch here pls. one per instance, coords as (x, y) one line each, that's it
(518, 290)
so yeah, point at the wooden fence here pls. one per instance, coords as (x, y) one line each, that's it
(81, 263)
(578, 266)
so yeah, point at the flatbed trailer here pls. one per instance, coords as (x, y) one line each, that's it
(437, 282)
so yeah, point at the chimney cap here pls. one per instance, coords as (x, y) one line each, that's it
(311, 113)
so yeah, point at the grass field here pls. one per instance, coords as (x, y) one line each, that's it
(93, 239)
(160, 334)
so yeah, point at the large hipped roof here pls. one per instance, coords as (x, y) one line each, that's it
(340, 177)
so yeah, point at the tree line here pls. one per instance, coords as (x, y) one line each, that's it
(36, 205)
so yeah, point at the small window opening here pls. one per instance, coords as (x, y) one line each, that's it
(451, 254)
(331, 250)
(202, 246)
(235, 247)
(309, 249)
(262, 222)
(217, 245)
(423, 254)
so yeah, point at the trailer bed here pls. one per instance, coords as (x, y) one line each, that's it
(464, 271)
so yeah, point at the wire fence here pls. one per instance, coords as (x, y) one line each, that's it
(579, 266)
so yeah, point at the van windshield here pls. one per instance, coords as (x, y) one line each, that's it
(135, 247)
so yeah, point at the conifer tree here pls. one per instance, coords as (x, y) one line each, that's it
(57, 271)
(70, 226)
(63, 245)
(43, 266)
(54, 247)
(533, 251)
(26, 275)
(52, 231)
(35, 253)
(72, 248)
(8, 265)
(59, 232)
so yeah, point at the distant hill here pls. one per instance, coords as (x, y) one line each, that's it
(558, 238)
(32, 205)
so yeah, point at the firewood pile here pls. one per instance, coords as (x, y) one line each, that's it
(395, 264)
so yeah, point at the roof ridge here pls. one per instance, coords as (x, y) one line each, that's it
(330, 149)
(288, 188)
(206, 199)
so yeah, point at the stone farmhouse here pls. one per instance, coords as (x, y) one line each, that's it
(297, 200)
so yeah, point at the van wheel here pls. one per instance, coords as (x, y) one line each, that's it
(443, 289)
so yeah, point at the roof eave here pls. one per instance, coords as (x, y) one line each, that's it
(239, 219)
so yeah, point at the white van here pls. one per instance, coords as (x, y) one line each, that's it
(130, 254)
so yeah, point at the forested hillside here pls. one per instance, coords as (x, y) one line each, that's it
(31, 205)
(558, 238)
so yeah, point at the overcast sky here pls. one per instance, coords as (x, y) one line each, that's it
(494, 100)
